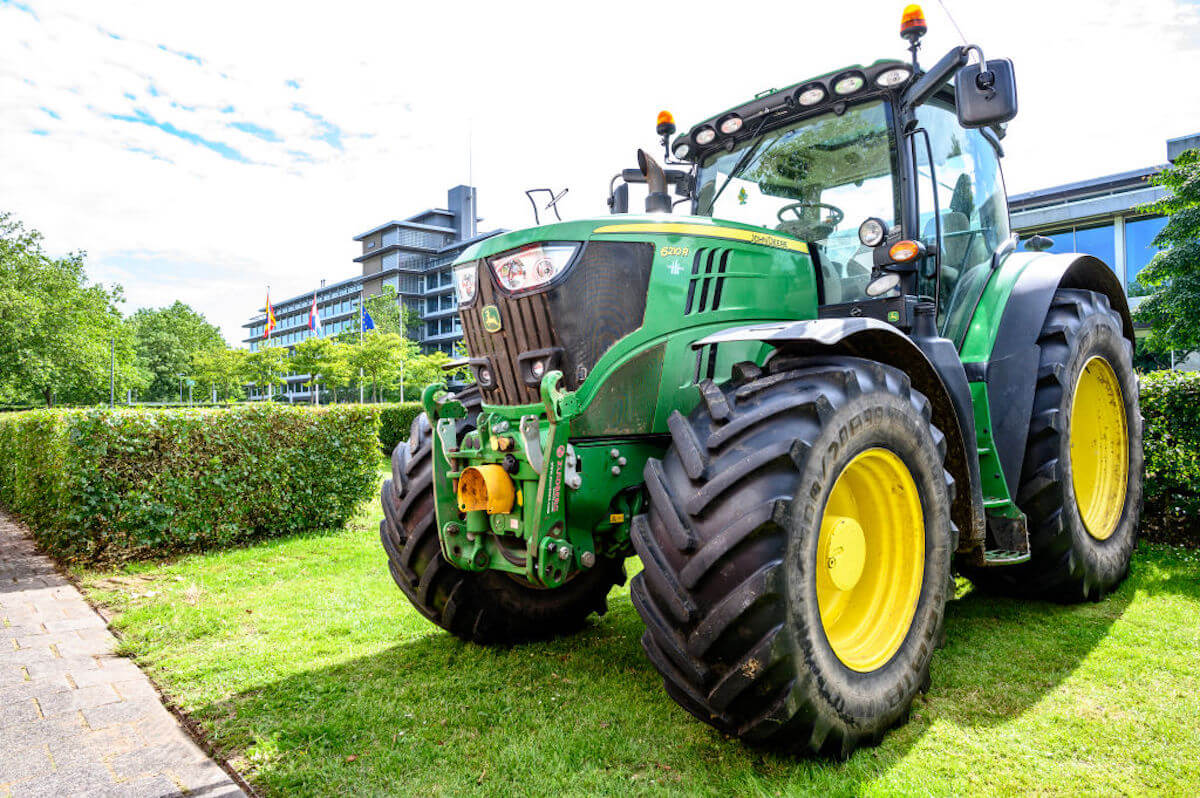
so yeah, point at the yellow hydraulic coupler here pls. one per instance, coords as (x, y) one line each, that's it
(485, 487)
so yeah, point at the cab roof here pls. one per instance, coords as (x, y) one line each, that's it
(783, 103)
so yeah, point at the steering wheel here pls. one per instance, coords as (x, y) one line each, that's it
(836, 214)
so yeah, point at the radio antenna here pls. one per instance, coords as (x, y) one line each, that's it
(953, 22)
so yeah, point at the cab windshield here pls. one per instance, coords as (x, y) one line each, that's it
(816, 180)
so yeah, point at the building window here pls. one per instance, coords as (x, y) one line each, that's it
(1099, 242)
(1139, 247)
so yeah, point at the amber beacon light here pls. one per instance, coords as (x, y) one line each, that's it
(666, 123)
(912, 23)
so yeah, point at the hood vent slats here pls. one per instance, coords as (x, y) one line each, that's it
(707, 280)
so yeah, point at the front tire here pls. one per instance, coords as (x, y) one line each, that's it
(486, 607)
(746, 591)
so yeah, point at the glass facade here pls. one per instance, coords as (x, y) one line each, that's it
(1097, 240)
(1139, 246)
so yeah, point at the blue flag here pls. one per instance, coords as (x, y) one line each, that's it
(367, 322)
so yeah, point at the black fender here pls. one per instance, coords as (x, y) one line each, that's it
(944, 384)
(1011, 371)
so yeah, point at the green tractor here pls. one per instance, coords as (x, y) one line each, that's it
(804, 406)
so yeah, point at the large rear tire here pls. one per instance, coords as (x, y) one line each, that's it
(1081, 481)
(797, 553)
(485, 607)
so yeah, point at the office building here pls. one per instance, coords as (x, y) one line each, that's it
(413, 256)
(1101, 216)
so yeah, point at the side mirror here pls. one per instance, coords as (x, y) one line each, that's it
(986, 93)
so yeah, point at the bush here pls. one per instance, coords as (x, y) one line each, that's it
(115, 484)
(1171, 409)
(394, 422)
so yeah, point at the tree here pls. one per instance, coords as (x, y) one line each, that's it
(61, 337)
(220, 370)
(389, 315)
(167, 340)
(340, 371)
(380, 356)
(1173, 310)
(422, 370)
(321, 360)
(265, 368)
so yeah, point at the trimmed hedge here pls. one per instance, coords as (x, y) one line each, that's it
(1171, 409)
(394, 422)
(115, 484)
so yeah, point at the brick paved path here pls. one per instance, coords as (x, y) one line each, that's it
(74, 718)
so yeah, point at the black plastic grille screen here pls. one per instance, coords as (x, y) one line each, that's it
(601, 299)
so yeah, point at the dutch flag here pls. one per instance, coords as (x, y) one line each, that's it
(314, 318)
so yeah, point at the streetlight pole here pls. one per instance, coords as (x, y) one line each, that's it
(112, 372)
(180, 376)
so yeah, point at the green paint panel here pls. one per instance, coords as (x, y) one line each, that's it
(985, 323)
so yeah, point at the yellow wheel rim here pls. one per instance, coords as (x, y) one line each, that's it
(1099, 448)
(870, 559)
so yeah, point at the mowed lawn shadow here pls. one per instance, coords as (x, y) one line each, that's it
(1004, 655)
(587, 714)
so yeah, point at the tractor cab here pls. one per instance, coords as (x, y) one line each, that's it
(890, 176)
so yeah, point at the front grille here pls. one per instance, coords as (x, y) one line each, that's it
(601, 299)
(526, 327)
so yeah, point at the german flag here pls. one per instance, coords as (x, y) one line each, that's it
(270, 315)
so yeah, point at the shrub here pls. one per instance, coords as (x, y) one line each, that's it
(115, 484)
(1171, 409)
(394, 422)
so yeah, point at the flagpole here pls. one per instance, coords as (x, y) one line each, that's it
(361, 308)
(316, 328)
(267, 325)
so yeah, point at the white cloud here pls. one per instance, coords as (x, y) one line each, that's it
(555, 94)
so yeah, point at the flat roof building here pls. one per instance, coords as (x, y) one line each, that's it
(1102, 217)
(413, 256)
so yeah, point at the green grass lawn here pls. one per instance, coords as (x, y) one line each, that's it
(310, 672)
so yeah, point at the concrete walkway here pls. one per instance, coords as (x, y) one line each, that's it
(74, 718)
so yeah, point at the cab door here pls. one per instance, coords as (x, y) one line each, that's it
(962, 210)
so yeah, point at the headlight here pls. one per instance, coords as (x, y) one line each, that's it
(848, 84)
(532, 266)
(872, 232)
(466, 282)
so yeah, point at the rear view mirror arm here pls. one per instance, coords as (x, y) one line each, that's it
(936, 77)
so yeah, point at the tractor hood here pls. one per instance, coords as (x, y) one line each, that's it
(664, 228)
(569, 321)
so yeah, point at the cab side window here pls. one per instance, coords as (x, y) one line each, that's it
(967, 219)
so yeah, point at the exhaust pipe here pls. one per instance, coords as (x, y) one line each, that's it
(658, 200)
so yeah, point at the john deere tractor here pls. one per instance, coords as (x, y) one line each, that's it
(805, 403)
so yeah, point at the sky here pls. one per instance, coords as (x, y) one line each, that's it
(206, 151)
